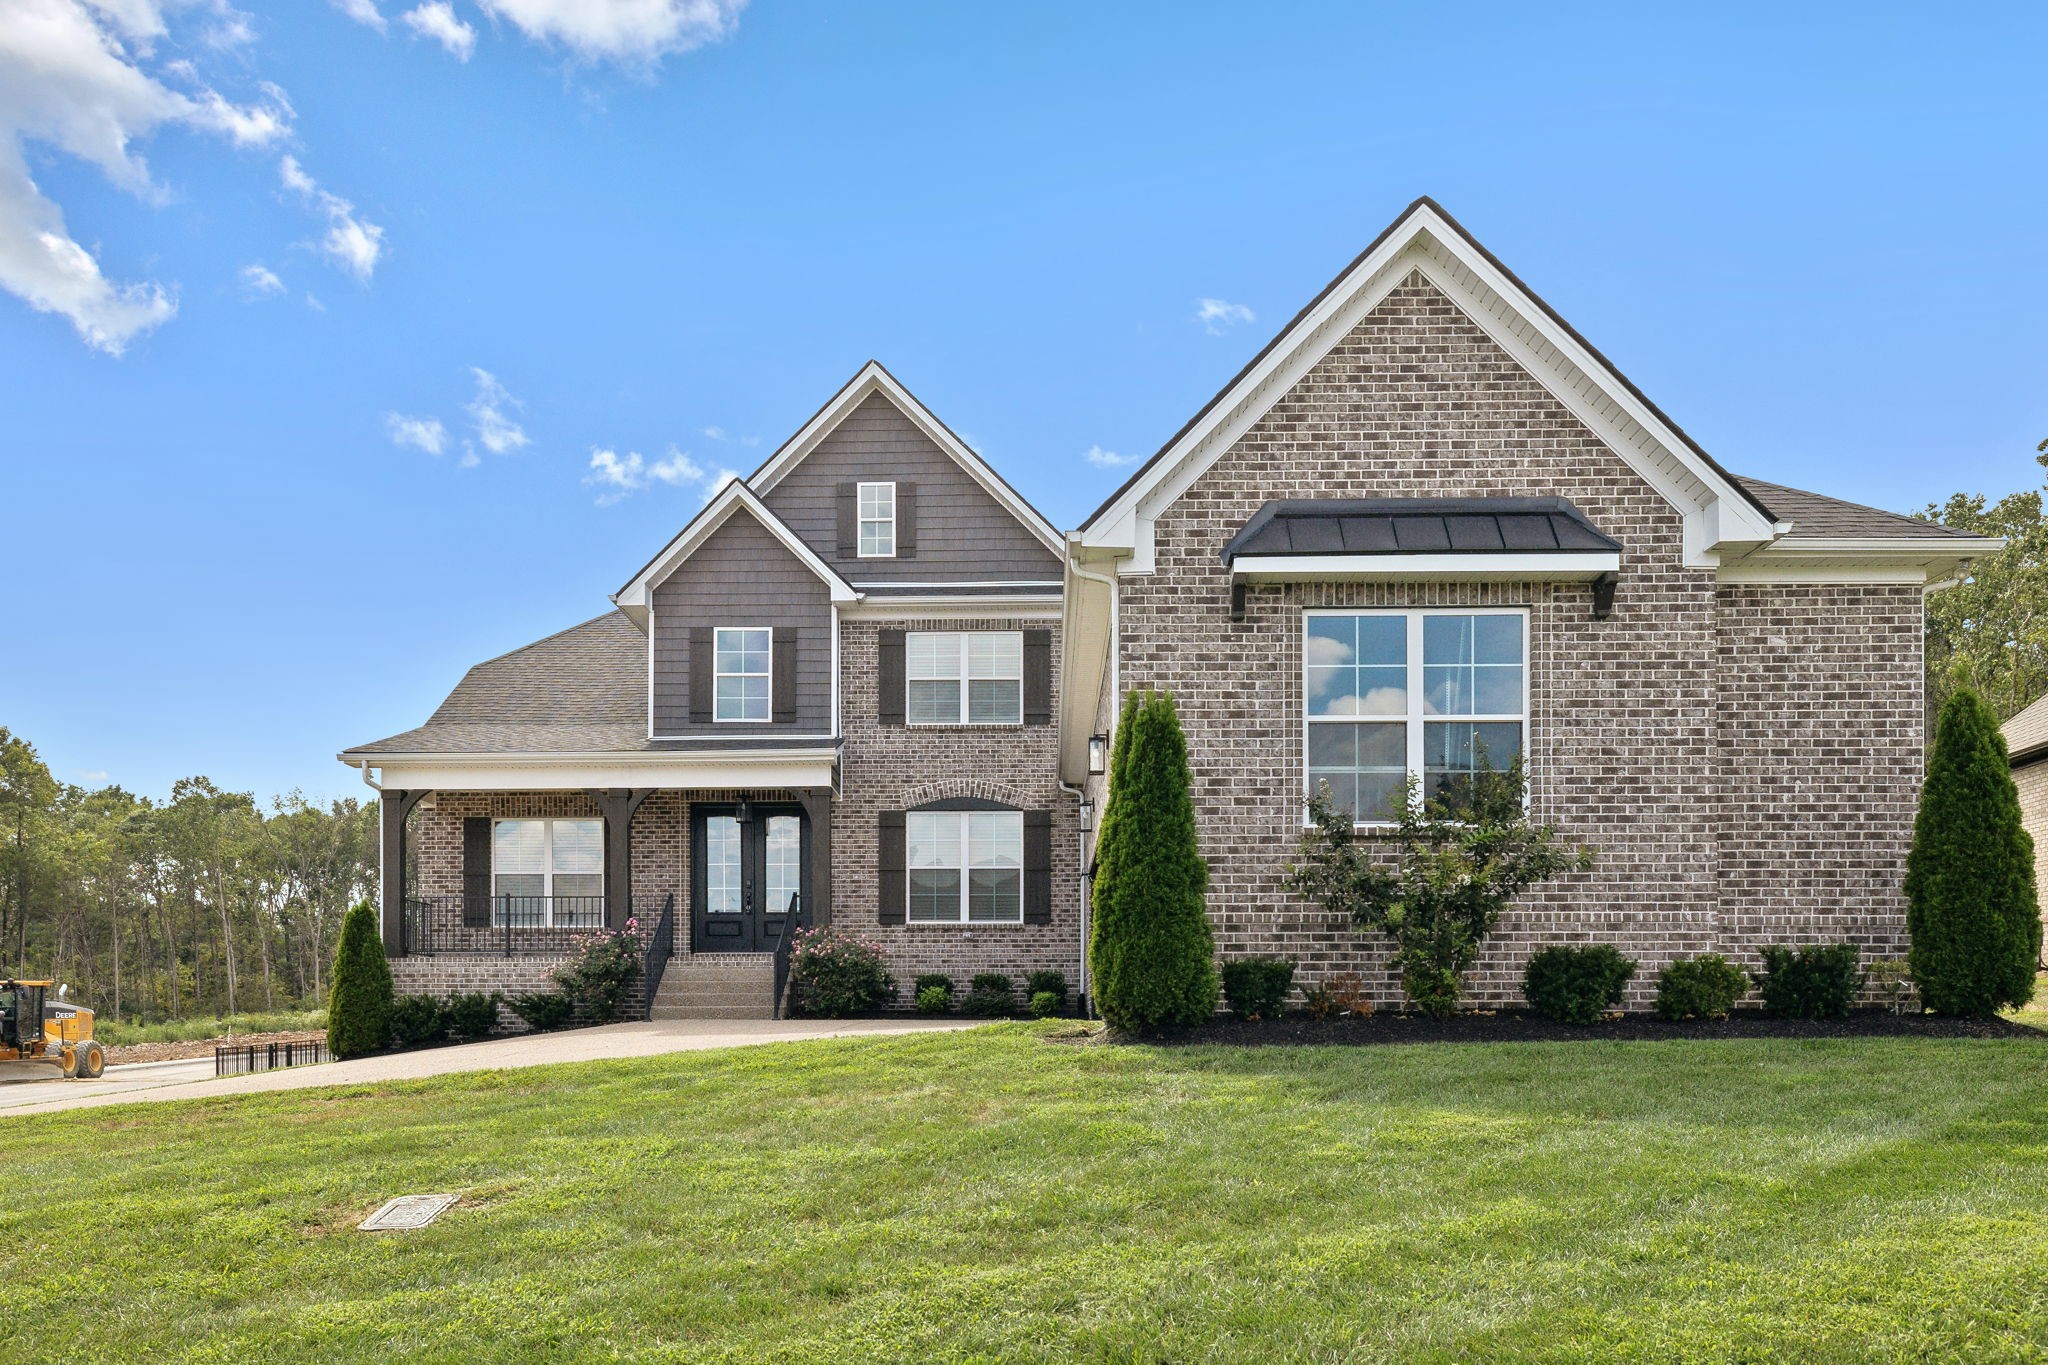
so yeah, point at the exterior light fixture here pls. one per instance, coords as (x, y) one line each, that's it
(1087, 816)
(1098, 755)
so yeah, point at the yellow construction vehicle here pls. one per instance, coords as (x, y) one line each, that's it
(36, 1028)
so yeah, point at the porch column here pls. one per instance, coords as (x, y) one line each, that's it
(817, 803)
(618, 806)
(393, 807)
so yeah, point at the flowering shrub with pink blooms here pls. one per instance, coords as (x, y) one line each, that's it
(601, 970)
(833, 973)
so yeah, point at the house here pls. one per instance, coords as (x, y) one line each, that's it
(2026, 746)
(1428, 526)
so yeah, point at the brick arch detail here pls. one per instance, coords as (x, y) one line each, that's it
(953, 788)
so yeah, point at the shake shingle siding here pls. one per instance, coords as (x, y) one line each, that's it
(963, 533)
(742, 576)
(1630, 717)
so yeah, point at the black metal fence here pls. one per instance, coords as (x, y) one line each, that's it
(242, 1059)
(512, 926)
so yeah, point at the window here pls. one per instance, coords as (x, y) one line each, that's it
(742, 673)
(878, 521)
(965, 867)
(547, 873)
(1389, 693)
(964, 677)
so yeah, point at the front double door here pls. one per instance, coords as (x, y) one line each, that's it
(749, 874)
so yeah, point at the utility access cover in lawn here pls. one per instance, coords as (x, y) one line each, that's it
(407, 1211)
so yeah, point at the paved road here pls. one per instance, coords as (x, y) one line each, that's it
(188, 1080)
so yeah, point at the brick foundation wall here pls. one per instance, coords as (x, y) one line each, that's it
(1658, 735)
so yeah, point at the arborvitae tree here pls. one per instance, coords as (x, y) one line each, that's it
(359, 1007)
(1970, 896)
(1152, 953)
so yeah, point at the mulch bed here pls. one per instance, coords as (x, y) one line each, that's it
(1516, 1026)
(198, 1047)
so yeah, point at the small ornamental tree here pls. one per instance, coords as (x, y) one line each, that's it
(1970, 897)
(1151, 950)
(1438, 886)
(359, 1002)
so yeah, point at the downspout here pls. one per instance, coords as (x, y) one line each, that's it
(1080, 794)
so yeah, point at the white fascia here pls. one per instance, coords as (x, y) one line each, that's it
(1930, 562)
(1716, 513)
(636, 598)
(1531, 568)
(873, 379)
(698, 769)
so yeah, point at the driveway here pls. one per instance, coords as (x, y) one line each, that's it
(190, 1080)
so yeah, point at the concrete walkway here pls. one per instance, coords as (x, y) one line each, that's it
(189, 1080)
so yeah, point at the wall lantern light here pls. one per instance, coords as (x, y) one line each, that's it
(1098, 755)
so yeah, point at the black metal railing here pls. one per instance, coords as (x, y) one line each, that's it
(509, 925)
(242, 1059)
(784, 946)
(658, 950)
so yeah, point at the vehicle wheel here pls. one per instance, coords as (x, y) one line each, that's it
(67, 1062)
(92, 1062)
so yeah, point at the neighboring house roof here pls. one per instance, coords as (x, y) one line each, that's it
(1411, 526)
(2026, 734)
(873, 378)
(1813, 514)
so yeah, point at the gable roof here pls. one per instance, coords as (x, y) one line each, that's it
(872, 378)
(735, 497)
(1718, 508)
(2026, 734)
(1813, 514)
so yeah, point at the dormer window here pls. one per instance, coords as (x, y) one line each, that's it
(877, 511)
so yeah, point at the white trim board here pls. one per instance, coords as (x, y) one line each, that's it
(1532, 568)
(871, 379)
(1716, 511)
(706, 769)
(636, 597)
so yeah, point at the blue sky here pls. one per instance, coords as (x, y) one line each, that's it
(1812, 234)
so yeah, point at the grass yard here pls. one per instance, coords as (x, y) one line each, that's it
(992, 1196)
(114, 1034)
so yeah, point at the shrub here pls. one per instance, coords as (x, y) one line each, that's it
(1970, 896)
(1704, 987)
(1047, 980)
(1045, 1004)
(1257, 987)
(1457, 863)
(544, 1010)
(359, 1000)
(472, 1015)
(1319, 1000)
(1892, 980)
(833, 974)
(600, 971)
(990, 995)
(1815, 982)
(1151, 949)
(1576, 985)
(934, 1000)
(1348, 994)
(417, 1020)
(928, 980)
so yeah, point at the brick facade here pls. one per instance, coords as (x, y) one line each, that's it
(1745, 760)
(2031, 778)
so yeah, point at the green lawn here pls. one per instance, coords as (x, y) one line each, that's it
(114, 1034)
(993, 1196)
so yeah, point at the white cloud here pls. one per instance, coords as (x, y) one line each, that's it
(355, 243)
(715, 433)
(436, 19)
(619, 476)
(717, 482)
(261, 280)
(1218, 316)
(422, 433)
(91, 775)
(363, 12)
(635, 33)
(1107, 459)
(73, 77)
(490, 412)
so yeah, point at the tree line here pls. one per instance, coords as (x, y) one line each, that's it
(204, 904)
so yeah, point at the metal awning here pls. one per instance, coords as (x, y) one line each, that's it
(1531, 538)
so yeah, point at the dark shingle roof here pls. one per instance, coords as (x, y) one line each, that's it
(2026, 734)
(1417, 526)
(1815, 515)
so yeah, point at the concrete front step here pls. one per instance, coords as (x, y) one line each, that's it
(717, 986)
(758, 1011)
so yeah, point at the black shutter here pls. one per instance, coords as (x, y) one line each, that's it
(892, 866)
(1038, 867)
(782, 686)
(889, 677)
(703, 673)
(1038, 677)
(849, 520)
(476, 872)
(906, 519)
